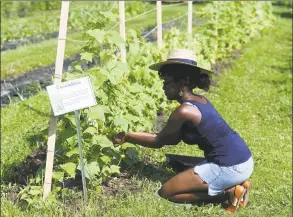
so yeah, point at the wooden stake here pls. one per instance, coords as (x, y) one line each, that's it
(189, 25)
(57, 80)
(122, 28)
(159, 24)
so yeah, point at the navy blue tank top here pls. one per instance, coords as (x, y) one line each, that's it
(220, 143)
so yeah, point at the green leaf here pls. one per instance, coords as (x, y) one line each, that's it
(36, 187)
(132, 118)
(115, 38)
(115, 169)
(117, 73)
(72, 75)
(34, 192)
(91, 169)
(122, 66)
(87, 56)
(136, 87)
(29, 200)
(112, 17)
(72, 141)
(97, 34)
(72, 152)
(70, 119)
(134, 49)
(137, 109)
(132, 33)
(132, 156)
(127, 145)
(121, 122)
(103, 141)
(106, 56)
(78, 68)
(91, 130)
(111, 64)
(97, 112)
(116, 77)
(69, 168)
(58, 176)
(103, 97)
(106, 159)
(98, 79)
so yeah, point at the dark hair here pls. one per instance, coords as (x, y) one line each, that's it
(189, 75)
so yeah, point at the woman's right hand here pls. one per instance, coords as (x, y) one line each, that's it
(119, 138)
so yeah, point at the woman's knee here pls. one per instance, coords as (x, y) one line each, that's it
(164, 192)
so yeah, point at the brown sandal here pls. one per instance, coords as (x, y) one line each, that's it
(247, 186)
(238, 195)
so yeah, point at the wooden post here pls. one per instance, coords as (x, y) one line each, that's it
(122, 28)
(189, 25)
(159, 24)
(57, 80)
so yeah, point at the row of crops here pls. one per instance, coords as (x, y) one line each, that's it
(41, 25)
(228, 27)
(30, 57)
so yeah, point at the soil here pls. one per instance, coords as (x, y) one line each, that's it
(116, 184)
(29, 168)
(22, 85)
(20, 42)
(120, 184)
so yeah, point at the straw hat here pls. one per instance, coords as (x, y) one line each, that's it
(180, 56)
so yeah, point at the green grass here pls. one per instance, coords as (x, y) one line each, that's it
(33, 56)
(20, 125)
(46, 22)
(254, 97)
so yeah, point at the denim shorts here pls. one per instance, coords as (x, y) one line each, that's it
(219, 178)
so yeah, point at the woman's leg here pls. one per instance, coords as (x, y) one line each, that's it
(186, 187)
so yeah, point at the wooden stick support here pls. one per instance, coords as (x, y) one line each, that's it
(159, 24)
(57, 80)
(122, 28)
(189, 24)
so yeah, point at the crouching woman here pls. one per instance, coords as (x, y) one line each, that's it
(228, 161)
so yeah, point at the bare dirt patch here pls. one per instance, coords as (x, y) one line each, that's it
(120, 184)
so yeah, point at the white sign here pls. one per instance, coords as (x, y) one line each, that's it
(71, 95)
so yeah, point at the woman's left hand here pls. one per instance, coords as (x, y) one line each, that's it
(119, 138)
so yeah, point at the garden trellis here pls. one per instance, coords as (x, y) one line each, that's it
(59, 65)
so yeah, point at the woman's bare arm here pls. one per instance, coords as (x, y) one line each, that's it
(144, 139)
(169, 135)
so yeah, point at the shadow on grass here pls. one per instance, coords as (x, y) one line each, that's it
(36, 110)
(174, 164)
(282, 69)
(284, 14)
(31, 165)
(142, 170)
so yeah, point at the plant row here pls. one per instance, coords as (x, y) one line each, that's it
(22, 9)
(41, 25)
(31, 57)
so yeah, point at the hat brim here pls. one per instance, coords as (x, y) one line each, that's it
(157, 66)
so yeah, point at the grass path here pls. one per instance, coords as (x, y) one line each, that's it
(255, 98)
